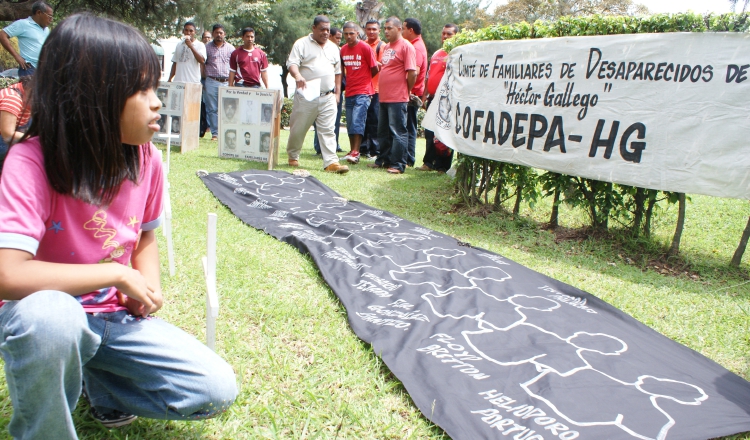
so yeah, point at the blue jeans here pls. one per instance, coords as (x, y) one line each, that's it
(392, 135)
(211, 98)
(139, 366)
(26, 72)
(370, 145)
(411, 128)
(356, 113)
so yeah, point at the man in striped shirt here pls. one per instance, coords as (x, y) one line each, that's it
(218, 53)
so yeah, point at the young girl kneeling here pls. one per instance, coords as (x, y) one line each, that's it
(80, 198)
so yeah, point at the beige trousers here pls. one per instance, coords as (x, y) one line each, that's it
(322, 112)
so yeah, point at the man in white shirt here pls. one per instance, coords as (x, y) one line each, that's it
(314, 57)
(188, 57)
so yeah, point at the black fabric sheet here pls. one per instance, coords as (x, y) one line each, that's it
(488, 348)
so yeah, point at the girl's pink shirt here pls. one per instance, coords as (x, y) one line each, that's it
(60, 229)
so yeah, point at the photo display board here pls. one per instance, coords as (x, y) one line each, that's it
(181, 101)
(249, 124)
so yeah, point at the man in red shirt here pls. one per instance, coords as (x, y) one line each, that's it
(397, 76)
(370, 147)
(433, 159)
(248, 64)
(359, 62)
(413, 33)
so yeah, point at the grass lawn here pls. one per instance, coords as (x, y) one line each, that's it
(302, 371)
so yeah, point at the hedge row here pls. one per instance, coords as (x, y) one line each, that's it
(483, 181)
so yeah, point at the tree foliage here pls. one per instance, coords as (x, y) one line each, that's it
(433, 14)
(278, 24)
(531, 10)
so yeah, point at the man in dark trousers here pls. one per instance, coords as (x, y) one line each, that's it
(370, 147)
(436, 159)
(397, 75)
(412, 32)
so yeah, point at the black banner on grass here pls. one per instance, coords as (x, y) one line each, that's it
(488, 348)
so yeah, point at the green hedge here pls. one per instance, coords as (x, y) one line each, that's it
(483, 181)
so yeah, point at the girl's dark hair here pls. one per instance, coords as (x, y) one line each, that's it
(88, 67)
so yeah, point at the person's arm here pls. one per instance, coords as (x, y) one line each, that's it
(8, 127)
(21, 275)
(172, 72)
(5, 42)
(374, 71)
(411, 78)
(196, 54)
(264, 78)
(145, 259)
(231, 78)
(294, 70)
(337, 89)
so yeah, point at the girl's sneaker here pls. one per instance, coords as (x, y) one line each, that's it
(115, 419)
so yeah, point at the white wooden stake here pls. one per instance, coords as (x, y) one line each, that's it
(167, 227)
(209, 270)
(169, 142)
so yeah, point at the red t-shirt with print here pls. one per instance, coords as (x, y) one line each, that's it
(398, 58)
(358, 61)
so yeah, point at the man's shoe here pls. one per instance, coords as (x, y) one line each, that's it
(352, 157)
(374, 165)
(424, 168)
(214, 138)
(337, 168)
(293, 163)
(339, 150)
(115, 419)
(394, 171)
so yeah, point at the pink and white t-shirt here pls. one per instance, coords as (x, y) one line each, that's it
(60, 229)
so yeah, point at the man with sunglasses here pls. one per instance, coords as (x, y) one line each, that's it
(31, 33)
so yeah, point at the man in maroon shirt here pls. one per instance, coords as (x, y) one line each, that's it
(412, 32)
(433, 159)
(248, 64)
(359, 62)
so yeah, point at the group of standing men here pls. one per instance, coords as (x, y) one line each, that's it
(386, 84)
(215, 63)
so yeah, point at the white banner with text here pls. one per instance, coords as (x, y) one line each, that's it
(661, 111)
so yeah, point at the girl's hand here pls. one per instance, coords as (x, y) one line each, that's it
(142, 298)
(139, 309)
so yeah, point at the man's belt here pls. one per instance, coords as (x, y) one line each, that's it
(221, 79)
(327, 93)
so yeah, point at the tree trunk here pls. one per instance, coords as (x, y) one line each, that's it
(12, 11)
(284, 72)
(649, 214)
(640, 200)
(517, 206)
(555, 209)
(367, 10)
(737, 258)
(675, 248)
(499, 187)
